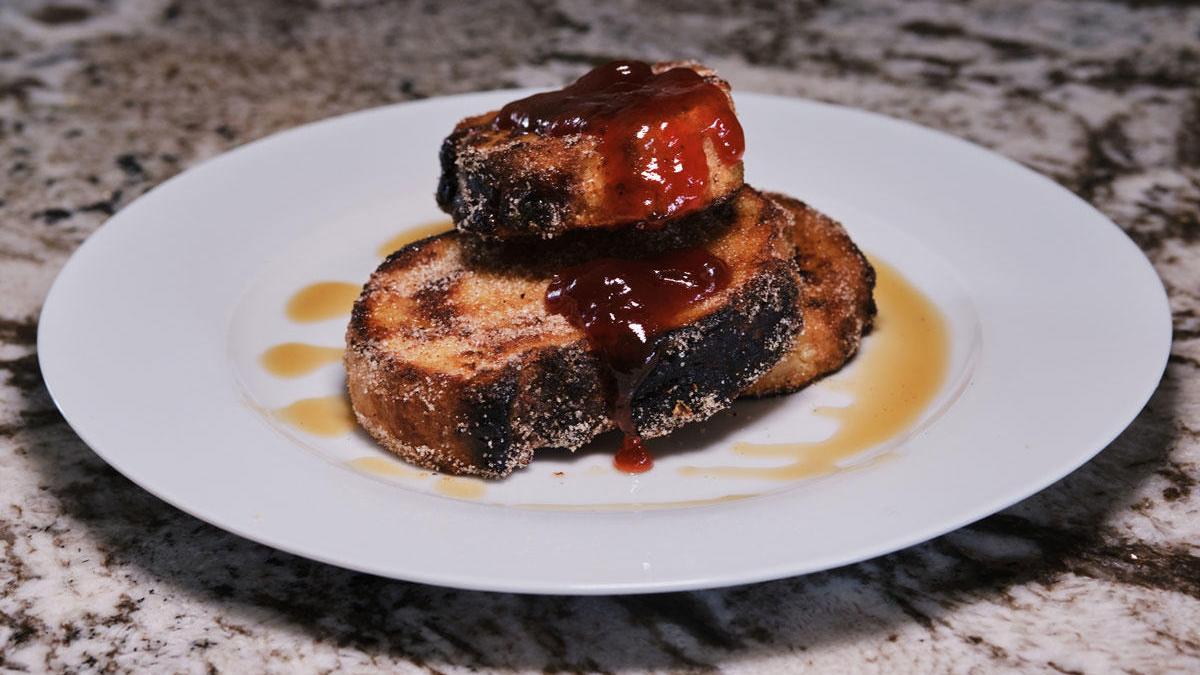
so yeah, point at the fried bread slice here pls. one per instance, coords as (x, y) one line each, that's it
(502, 183)
(454, 363)
(836, 301)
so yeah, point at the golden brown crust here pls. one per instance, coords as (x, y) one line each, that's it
(454, 363)
(836, 301)
(501, 184)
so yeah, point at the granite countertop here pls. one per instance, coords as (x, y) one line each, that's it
(101, 101)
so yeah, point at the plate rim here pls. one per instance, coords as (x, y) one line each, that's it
(1104, 437)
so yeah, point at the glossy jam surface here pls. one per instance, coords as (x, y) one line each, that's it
(624, 306)
(652, 129)
(633, 457)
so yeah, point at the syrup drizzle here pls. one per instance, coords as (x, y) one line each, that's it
(322, 416)
(653, 130)
(294, 359)
(623, 307)
(897, 377)
(322, 301)
(414, 234)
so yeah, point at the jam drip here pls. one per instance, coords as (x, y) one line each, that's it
(624, 306)
(652, 131)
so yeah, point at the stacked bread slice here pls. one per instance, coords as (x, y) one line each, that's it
(457, 363)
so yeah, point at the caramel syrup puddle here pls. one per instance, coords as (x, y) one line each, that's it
(325, 300)
(321, 416)
(460, 487)
(322, 300)
(897, 377)
(293, 359)
(382, 466)
(415, 234)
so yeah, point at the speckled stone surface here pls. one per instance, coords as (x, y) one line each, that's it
(99, 102)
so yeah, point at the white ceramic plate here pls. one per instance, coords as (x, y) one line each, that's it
(151, 337)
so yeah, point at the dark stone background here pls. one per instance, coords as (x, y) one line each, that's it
(101, 101)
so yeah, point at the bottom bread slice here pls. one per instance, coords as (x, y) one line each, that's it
(454, 364)
(836, 300)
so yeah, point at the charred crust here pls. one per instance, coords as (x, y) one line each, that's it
(532, 255)
(541, 205)
(447, 189)
(506, 191)
(433, 301)
(705, 366)
(871, 310)
(488, 425)
(575, 408)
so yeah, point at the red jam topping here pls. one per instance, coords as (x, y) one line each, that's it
(633, 457)
(623, 306)
(652, 131)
